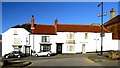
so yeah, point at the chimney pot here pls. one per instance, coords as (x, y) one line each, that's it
(112, 13)
(32, 15)
(56, 21)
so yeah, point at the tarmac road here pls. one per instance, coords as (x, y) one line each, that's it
(70, 60)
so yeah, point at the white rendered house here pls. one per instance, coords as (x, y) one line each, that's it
(15, 39)
(59, 38)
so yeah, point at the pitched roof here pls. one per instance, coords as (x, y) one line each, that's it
(44, 29)
(27, 26)
(51, 29)
(113, 21)
(79, 28)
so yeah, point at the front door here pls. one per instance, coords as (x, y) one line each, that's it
(83, 48)
(59, 48)
(27, 50)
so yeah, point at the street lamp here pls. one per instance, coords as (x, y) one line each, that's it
(101, 15)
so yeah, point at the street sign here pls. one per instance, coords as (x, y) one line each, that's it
(102, 34)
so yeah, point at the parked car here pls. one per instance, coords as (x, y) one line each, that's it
(14, 54)
(41, 53)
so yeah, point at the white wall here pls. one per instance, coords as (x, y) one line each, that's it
(115, 45)
(92, 43)
(37, 40)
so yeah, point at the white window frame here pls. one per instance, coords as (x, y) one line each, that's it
(16, 40)
(71, 35)
(45, 39)
(15, 32)
(70, 48)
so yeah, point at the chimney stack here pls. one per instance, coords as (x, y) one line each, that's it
(56, 22)
(32, 22)
(112, 13)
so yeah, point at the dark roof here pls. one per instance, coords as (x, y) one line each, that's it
(79, 28)
(26, 26)
(113, 21)
(44, 29)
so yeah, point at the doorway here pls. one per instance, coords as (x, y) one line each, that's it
(59, 48)
(27, 50)
(83, 48)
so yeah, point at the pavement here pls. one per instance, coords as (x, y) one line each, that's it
(104, 61)
(97, 58)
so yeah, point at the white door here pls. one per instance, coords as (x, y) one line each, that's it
(83, 48)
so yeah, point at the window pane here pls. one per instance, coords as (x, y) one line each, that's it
(45, 39)
(15, 32)
(45, 48)
(70, 48)
(70, 35)
(86, 35)
(16, 40)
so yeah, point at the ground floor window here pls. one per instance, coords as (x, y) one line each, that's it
(45, 48)
(70, 47)
(16, 49)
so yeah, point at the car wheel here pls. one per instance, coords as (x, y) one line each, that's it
(36, 55)
(6, 56)
(18, 56)
(48, 54)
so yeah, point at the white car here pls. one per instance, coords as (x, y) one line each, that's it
(48, 53)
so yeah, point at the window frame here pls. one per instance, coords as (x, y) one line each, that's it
(70, 48)
(15, 32)
(17, 41)
(45, 39)
(45, 48)
(71, 35)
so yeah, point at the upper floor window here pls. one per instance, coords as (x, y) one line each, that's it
(16, 40)
(86, 35)
(15, 32)
(71, 36)
(45, 39)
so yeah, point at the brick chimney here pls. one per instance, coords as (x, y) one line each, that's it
(112, 13)
(56, 22)
(32, 22)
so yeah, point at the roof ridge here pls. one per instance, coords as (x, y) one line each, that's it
(45, 24)
(74, 24)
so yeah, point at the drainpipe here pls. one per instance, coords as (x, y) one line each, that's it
(33, 43)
